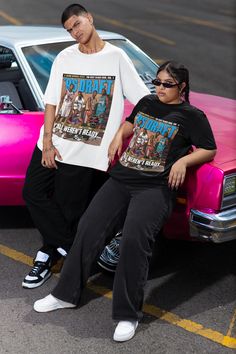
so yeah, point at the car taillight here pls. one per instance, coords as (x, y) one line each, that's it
(229, 191)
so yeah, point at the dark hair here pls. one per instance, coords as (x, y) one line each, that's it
(73, 9)
(178, 72)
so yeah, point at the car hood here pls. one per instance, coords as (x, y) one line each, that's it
(221, 113)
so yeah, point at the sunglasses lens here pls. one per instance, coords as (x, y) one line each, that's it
(164, 84)
(156, 82)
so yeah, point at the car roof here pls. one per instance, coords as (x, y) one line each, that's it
(27, 35)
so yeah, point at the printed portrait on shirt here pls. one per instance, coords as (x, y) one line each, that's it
(151, 141)
(84, 108)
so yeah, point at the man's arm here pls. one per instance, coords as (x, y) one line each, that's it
(133, 86)
(49, 151)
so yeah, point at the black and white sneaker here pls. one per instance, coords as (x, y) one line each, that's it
(40, 272)
(62, 252)
(111, 254)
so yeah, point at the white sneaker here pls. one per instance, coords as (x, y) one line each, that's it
(40, 272)
(61, 251)
(125, 330)
(51, 303)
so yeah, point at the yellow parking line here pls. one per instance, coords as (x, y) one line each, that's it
(134, 29)
(196, 21)
(232, 323)
(227, 12)
(166, 316)
(191, 326)
(100, 290)
(16, 255)
(10, 19)
(159, 61)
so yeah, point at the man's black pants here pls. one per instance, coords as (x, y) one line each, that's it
(56, 199)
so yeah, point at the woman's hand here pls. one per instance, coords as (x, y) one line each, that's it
(178, 170)
(177, 174)
(125, 130)
(115, 147)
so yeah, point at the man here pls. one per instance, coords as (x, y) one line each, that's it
(67, 102)
(91, 104)
(59, 177)
(78, 109)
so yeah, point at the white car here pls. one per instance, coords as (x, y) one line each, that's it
(206, 205)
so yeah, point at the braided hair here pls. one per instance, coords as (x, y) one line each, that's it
(178, 72)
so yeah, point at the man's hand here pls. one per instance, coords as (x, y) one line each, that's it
(48, 155)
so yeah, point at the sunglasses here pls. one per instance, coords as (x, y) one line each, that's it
(157, 82)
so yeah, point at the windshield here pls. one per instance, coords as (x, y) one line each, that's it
(145, 67)
(41, 57)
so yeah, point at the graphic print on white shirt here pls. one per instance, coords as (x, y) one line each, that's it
(84, 108)
(149, 146)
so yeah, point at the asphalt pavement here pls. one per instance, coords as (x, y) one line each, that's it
(190, 304)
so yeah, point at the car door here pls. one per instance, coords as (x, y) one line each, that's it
(20, 123)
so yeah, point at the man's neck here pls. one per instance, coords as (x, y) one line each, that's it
(94, 45)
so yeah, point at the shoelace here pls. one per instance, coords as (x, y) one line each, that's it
(36, 268)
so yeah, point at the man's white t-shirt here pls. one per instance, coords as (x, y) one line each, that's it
(83, 138)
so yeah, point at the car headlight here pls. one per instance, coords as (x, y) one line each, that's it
(229, 191)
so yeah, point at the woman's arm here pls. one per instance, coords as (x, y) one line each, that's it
(178, 170)
(125, 131)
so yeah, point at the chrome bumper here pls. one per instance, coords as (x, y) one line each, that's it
(217, 228)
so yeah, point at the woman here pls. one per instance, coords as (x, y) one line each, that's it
(142, 191)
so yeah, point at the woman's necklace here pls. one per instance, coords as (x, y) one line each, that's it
(96, 49)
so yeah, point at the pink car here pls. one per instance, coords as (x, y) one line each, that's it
(206, 205)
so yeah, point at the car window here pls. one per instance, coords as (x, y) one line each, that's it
(10, 74)
(7, 58)
(41, 57)
(145, 67)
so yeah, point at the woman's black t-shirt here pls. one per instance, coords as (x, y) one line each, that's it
(163, 133)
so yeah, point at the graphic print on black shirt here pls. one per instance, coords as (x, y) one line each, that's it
(84, 108)
(149, 146)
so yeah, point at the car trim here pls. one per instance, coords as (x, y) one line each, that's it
(215, 227)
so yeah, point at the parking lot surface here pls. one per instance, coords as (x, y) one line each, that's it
(190, 304)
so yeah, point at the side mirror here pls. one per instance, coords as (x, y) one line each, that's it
(7, 107)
